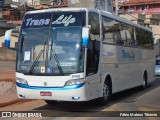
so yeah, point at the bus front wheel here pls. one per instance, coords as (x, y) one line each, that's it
(107, 92)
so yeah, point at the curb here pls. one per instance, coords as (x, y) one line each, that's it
(13, 102)
(10, 103)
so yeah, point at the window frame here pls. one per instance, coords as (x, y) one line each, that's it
(133, 41)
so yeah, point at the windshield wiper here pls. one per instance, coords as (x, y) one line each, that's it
(57, 61)
(35, 62)
(37, 59)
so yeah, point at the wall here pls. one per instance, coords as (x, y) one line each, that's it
(7, 55)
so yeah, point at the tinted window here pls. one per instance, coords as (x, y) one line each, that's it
(157, 62)
(144, 39)
(93, 51)
(119, 33)
(127, 33)
(115, 32)
(94, 22)
(108, 30)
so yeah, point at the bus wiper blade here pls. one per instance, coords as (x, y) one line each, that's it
(35, 62)
(57, 62)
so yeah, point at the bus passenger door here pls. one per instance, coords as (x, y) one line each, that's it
(93, 53)
(93, 76)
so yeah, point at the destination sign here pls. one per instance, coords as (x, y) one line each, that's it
(37, 20)
(65, 19)
(54, 19)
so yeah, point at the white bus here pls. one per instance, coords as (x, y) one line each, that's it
(80, 54)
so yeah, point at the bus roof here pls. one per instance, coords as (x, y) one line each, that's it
(107, 14)
(56, 9)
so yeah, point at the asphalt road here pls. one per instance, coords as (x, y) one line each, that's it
(129, 100)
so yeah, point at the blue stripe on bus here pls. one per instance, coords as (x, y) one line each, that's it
(49, 88)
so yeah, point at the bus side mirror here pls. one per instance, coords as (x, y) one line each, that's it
(85, 36)
(7, 39)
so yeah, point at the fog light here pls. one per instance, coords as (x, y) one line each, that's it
(75, 98)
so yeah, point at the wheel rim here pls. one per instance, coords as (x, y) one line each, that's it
(105, 92)
(144, 83)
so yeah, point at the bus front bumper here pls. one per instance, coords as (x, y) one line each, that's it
(66, 93)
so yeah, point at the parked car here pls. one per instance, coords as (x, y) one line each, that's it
(157, 67)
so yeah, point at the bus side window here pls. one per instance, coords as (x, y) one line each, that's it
(127, 34)
(94, 22)
(144, 39)
(115, 32)
(108, 30)
(94, 44)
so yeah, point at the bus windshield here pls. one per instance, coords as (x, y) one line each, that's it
(54, 49)
(65, 50)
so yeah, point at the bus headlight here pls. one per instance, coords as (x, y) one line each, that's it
(74, 82)
(20, 80)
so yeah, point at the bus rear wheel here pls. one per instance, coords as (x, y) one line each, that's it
(144, 84)
(107, 92)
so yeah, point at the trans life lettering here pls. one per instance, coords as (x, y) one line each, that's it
(37, 22)
(66, 20)
(126, 54)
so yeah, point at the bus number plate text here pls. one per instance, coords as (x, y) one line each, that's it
(42, 93)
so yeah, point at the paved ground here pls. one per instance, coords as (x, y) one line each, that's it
(7, 71)
(7, 83)
(8, 99)
(8, 76)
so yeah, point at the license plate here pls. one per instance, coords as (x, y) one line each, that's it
(45, 93)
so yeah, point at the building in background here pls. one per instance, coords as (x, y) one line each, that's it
(143, 12)
(140, 6)
(106, 5)
(140, 9)
(100, 4)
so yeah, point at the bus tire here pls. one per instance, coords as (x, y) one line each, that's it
(50, 102)
(107, 92)
(145, 80)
